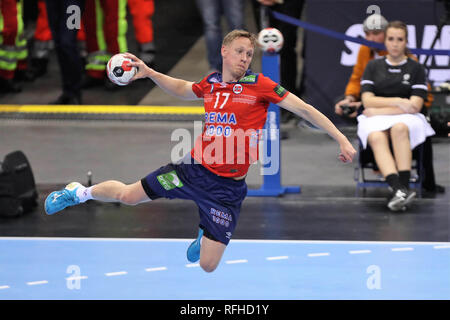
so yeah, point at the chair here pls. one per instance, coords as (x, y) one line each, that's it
(366, 161)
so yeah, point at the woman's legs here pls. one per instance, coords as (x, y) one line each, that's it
(395, 168)
(379, 142)
(401, 159)
(402, 147)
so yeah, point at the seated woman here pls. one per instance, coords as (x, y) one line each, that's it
(393, 89)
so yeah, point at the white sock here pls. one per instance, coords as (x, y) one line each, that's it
(84, 193)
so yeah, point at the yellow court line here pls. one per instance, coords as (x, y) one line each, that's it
(102, 109)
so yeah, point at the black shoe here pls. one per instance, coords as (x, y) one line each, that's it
(38, 67)
(147, 53)
(67, 99)
(435, 189)
(90, 82)
(24, 75)
(148, 59)
(9, 86)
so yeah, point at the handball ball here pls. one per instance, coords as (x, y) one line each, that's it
(270, 40)
(118, 70)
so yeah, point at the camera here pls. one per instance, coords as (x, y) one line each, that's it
(347, 110)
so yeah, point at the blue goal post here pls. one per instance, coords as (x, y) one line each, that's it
(271, 172)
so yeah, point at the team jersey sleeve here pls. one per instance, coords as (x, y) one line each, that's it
(367, 80)
(418, 84)
(198, 88)
(270, 90)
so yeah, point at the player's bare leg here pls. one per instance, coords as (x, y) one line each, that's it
(108, 191)
(211, 253)
(116, 191)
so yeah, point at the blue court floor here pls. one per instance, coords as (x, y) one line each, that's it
(99, 268)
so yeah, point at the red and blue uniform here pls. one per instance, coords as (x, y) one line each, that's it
(235, 113)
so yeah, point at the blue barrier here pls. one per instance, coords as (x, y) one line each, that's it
(342, 36)
(271, 141)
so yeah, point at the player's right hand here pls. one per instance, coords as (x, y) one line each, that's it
(144, 71)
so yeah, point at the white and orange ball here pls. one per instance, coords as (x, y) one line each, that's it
(270, 40)
(119, 71)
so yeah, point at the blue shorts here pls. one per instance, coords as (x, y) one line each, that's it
(219, 199)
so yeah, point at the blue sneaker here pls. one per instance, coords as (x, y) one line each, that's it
(193, 252)
(58, 200)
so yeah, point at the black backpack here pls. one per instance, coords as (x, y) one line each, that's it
(18, 193)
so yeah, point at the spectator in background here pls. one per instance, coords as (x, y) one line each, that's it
(393, 90)
(65, 39)
(211, 12)
(142, 12)
(374, 28)
(13, 45)
(43, 42)
(106, 27)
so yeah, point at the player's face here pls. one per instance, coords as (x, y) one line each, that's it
(237, 56)
(395, 42)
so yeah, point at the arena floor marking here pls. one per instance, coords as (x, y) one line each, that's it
(102, 109)
(103, 268)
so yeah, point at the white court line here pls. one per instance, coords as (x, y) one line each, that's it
(359, 251)
(277, 258)
(4, 287)
(77, 278)
(442, 247)
(34, 283)
(402, 249)
(319, 254)
(418, 243)
(236, 261)
(156, 269)
(118, 273)
(192, 265)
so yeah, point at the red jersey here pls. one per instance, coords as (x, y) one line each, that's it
(235, 113)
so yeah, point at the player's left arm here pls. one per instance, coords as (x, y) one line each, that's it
(177, 87)
(295, 105)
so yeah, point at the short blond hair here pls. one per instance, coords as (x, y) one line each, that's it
(239, 34)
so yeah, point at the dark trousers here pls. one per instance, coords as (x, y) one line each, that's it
(429, 182)
(65, 39)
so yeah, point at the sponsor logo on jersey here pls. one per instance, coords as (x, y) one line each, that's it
(279, 90)
(251, 78)
(237, 88)
(406, 77)
(221, 217)
(170, 180)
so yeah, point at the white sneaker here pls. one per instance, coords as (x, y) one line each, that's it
(400, 200)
